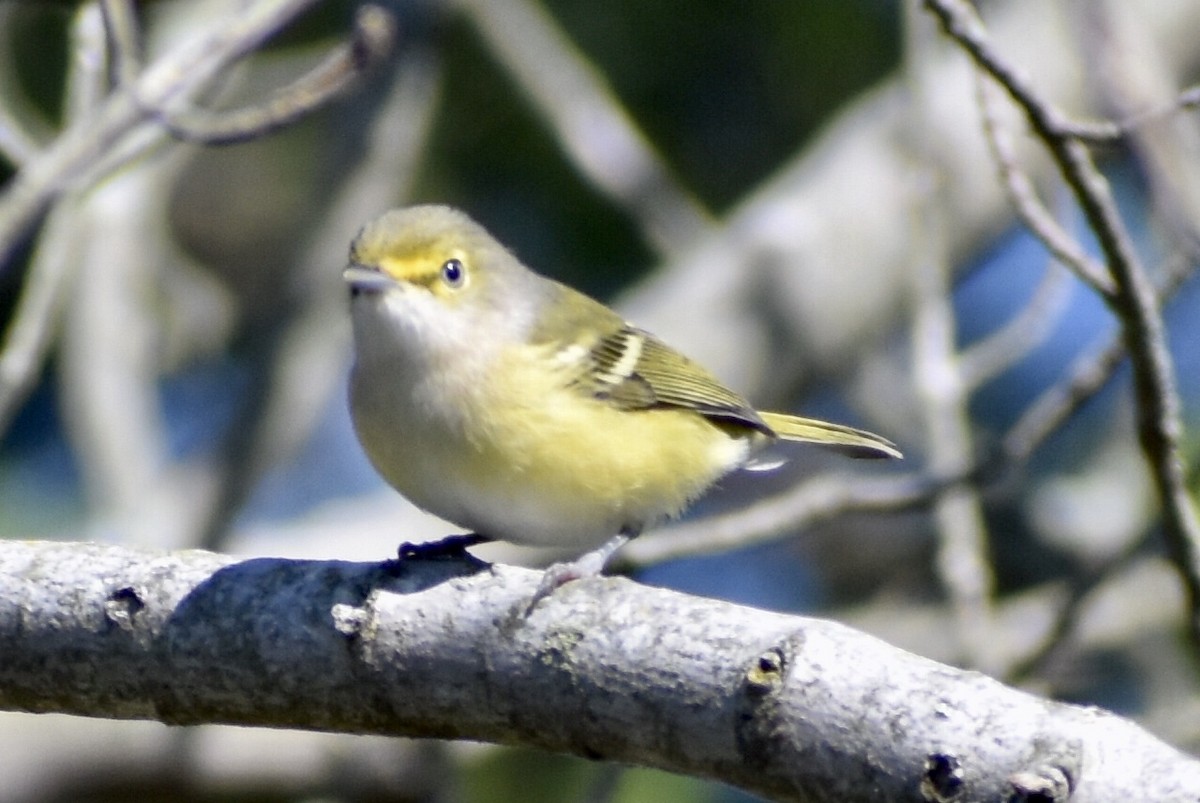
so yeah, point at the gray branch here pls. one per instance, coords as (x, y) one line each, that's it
(784, 706)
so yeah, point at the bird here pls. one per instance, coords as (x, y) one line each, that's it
(523, 410)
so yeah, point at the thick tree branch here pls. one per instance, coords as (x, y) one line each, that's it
(784, 706)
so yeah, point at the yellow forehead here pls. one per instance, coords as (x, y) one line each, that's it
(411, 245)
(422, 268)
(417, 260)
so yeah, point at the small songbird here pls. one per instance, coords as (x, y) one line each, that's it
(513, 405)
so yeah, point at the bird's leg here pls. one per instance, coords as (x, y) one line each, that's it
(589, 564)
(452, 546)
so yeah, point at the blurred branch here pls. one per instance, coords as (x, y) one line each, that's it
(1068, 615)
(300, 359)
(962, 555)
(801, 232)
(110, 393)
(592, 127)
(1134, 302)
(807, 221)
(184, 70)
(124, 39)
(1089, 373)
(780, 516)
(826, 497)
(998, 352)
(1036, 217)
(86, 79)
(1049, 411)
(80, 759)
(783, 706)
(1129, 613)
(1128, 70)
(38, 312)
(1056, 404)
(108, 362)
(984, 361)
(109, 396)
(54, 267)
(15, 144)
(372, 40)
(1107, 131)
(939, 383)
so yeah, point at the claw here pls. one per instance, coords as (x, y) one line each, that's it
(449, 548)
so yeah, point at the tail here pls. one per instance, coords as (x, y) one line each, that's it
(850, 442)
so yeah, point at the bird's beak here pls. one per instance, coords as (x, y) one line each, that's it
(363, 279)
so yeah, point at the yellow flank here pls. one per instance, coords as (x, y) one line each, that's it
(628, 461)
(538, 462)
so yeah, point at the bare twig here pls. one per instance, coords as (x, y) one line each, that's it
(591, 125)
(300, 356)
(23, 351)
(1106, 131)
(803, 228)
(1024, 198)
(823, 498)
(1069, 613)
(120, 21)
(1134, 302)
(1085, 378)
(16, 144)
(1057, 403)
(373, 38)
(29, 336)
(778, 517)
(38, 312)
(180, 73)
(1126, 67)
(999, 351)
(962, 562)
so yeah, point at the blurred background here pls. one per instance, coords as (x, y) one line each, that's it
(799, 195)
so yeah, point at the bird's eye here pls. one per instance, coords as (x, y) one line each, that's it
(453, 272)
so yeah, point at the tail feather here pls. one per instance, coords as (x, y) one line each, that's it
(847, 440)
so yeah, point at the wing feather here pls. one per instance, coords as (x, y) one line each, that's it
(635, 370)
(608, 359)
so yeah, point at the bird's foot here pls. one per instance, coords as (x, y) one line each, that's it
(452, 547)
(589, 564)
